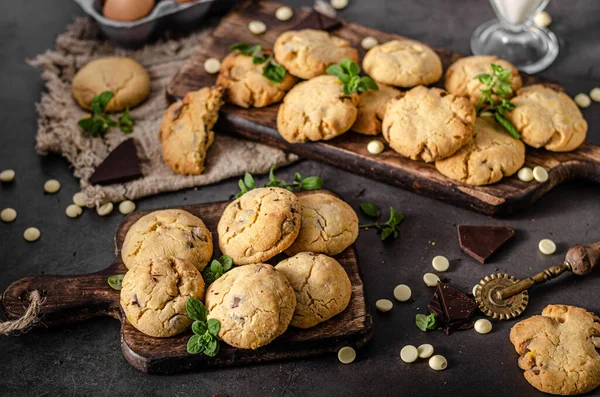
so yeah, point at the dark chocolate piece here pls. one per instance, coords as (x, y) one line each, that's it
(452, 308)
(318, 21)
(481, 242)
(120, 166)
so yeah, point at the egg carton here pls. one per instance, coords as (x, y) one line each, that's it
(133, 34)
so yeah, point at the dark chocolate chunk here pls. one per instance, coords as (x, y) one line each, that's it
(120, 166)
(481, 242)
(318, 21)
(452, 308)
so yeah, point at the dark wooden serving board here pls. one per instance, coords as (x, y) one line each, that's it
(69, 299)
(349, 150)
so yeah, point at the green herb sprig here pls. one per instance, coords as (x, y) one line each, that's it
(348, 74)
(116, 281)
(99, 122)
(425, 322)
(308, 183)
(495, 97)
(273, 71)
(217, 268)
(205, 339)
(387, 229)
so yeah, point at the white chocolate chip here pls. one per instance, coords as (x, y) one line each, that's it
(257, 27)
(212, 66)
(105, 209)
(375, 147)
(540, 174)
(73, 211)
(8, 215)
(51, 186)
(369, 42)
(439, 363)
(402, 293)
(440, 263)
(384, 305)
(409, 354)
(425, 351)
(430, 279)
(79, 199)
(339, 4)
(595, 94)
(542, 19)
(7, 175)
(582, 100)
(126, 207)
(483, 326)
(31, 234)
(525, 174)
(346, 355)
(547, 246)
(475, 289)
(284, 13)
(486, 114)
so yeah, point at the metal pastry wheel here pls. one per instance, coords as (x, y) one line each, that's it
(503, 297)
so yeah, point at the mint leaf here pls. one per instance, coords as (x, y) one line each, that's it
(196, 309)
(311, 183)
(249, 181)
(508, 126)
(213, 326)
(226, 262)
(125, 122)
(370, 210)
(116, 281)
(347, 73)
(194, 345)
(335, 70)
(273, 71)
(211, 348)
(199, 327)
(421, 322)
(245, 48)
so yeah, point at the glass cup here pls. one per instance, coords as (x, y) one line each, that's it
(514, 36)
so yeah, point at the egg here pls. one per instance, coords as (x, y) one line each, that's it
(127, 10)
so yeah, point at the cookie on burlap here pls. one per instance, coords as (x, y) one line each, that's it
(403, 63)
(246, 86)
(371, 109)
(253, 303)
(329, 225)
(548, 118)
(321, 284)
(259, 225)
(560, 350)
(428, 123)
(488, 157)
(461, 77)
(168, 233)
(315, 110)
(154, 294)
(308, 53)
(126, 78)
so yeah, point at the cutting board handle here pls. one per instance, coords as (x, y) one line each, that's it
(64, 299)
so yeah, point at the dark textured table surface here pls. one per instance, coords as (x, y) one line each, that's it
(85, 359)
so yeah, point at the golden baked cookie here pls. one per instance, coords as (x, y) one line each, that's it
(329, 225)
(316, 110)
(371, 109)
(254, 304)
(560, 350)
(403, 63)
(126, 78)
(259, 225)
(461, 76)
(321, 284)
(491, 155)
(308, 53)
(154, 294)
(246, 85)
(428, 124)
(186, 130)
(168, 233)
(548, 118)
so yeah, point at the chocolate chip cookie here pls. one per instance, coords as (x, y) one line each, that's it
(371, 109)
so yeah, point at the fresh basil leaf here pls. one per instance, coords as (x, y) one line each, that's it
(421, 322)
(508, 126)
(116, 281)
(370, 210)
(199, 327)
(213, 326)
(311, 183)
(194, 345)
(196, 309)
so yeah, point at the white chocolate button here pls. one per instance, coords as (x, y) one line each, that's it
(51, 186)
(540, 174)
(440, 263)
(79, 199)
(369, 42)
(425, 351)
(547, 246)
(402, 293)
(486, 114)
(595, 94)
(582, 100)
(73, 211)
(126, 207)
(212, 66)
(375, 147)
(439, 363)
(105, 209)
(346, 355)
(284, 13)
(475, 289)
(430, 279)
(409, 354)
(483, 326)
(31, 234)
(339, 4)
(7, 175)
(257, 27)
(384, 305)
(542, 19)
(525, 174)
(8, 215)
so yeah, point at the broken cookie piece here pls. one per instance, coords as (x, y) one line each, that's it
(481, 242)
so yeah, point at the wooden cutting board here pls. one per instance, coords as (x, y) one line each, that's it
(70, 299)
(349, 151)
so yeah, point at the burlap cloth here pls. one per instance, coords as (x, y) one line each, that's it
(58, 115)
